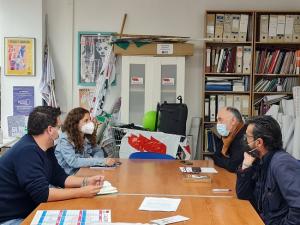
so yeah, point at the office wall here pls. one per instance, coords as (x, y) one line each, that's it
(60, 36)
(165, 17)
(67, 17)
(19, 18)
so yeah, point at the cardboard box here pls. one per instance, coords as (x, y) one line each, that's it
(157, 49)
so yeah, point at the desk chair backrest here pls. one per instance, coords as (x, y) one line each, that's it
(150, 155)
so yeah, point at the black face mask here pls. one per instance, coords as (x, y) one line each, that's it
(250, 151)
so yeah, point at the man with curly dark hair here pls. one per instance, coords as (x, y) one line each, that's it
(29, 168)
(269, 176)
(76, 146)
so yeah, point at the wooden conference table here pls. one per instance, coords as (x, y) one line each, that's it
(162, 177)
(136, 179)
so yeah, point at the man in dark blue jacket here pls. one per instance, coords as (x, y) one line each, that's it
(30, 166)
(269, 177)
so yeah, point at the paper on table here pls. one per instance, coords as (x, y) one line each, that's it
(107, 188)
(169, 220)
(208, 170)
(160, 204)
(121, 224)
(72, 217)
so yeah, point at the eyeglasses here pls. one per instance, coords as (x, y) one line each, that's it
(246, 137)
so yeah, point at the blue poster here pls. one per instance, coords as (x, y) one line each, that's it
(23, 100)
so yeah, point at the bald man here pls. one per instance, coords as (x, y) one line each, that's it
(230, 126)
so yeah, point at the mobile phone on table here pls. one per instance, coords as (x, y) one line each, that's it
(196, 169)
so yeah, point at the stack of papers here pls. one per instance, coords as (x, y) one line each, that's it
(160, 204)
(107, 188)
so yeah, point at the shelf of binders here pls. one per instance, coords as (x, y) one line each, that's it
(277, 28)
(276, 55)
(276, 75)
(273, 93)
(228, 92)
(278, 43)
(233, 27)
(277, 61)
(227, 71)
(227, 43)
(226, 60)
(226, 74)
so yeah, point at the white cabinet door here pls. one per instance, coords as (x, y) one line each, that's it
(147, 80)
(135, 88)
(169, 79)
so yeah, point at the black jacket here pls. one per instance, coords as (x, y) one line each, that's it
(235, 153)
(273, 188)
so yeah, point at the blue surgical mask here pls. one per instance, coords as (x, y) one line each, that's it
(222, 130)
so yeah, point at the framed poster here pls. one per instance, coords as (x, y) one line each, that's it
(19, 54)
(23, 100)
(85, 97)
(92, 47)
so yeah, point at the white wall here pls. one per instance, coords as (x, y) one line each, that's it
(67, 17)
(165, 17)
(60, 36)
(19, 18)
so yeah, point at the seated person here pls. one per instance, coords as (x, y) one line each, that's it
(30, 167)
(230, 126)
(76, 146)
(269, 176)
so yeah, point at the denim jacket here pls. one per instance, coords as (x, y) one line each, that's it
(71, 161)
(275, 195)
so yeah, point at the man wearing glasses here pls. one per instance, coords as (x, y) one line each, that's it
(30, 167)
(269, 177)
(230, 126)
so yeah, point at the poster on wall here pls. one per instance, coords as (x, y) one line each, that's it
(23, 100)
(92, 49)
(19, 56)
(17, 125)
(85, 97)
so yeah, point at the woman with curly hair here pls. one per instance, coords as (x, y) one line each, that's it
(76, 146)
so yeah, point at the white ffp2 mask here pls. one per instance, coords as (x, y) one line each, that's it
(88, 128)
